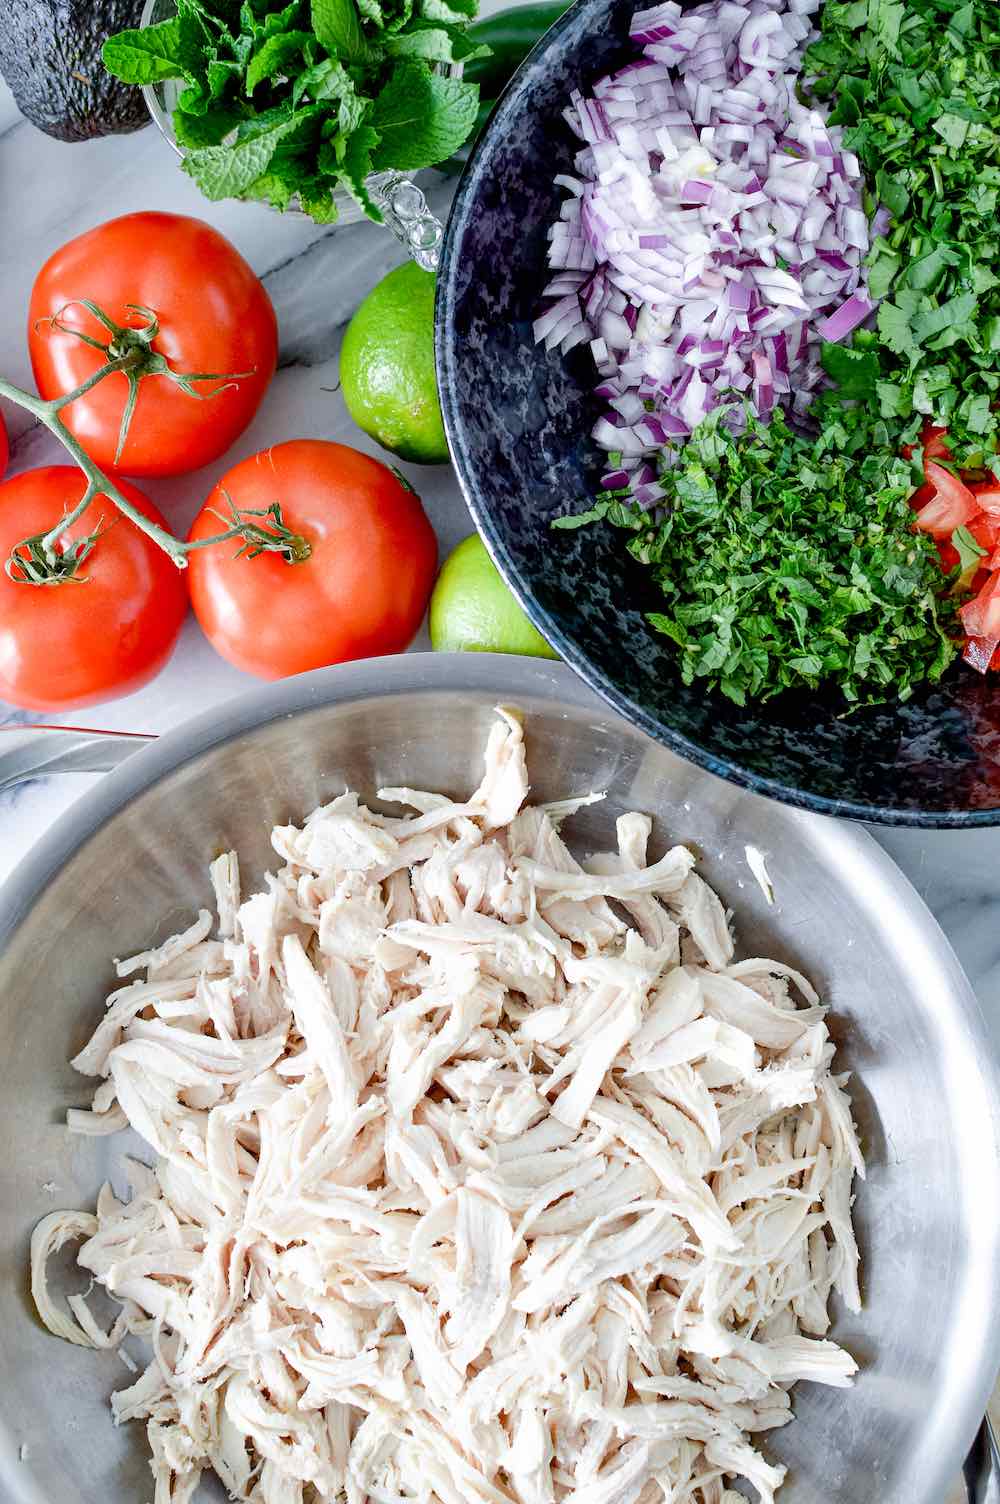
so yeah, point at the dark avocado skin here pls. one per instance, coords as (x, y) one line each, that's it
(50, 55)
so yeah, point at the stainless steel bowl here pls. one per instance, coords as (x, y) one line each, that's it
(127, 864)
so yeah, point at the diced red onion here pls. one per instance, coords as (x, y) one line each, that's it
(846, 319)
(714, 235)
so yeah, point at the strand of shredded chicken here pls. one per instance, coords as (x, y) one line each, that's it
(482, 1176)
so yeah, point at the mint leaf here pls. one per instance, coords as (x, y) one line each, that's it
(276, 188)
(421, 117)
(228, 171)
(222, 72)
(152, 54)
(273, 57)
(403, 16)
(449, 10)
(193, 131)
(324, 80)
(318, 202)
(275, 93)
(338, 29)
(277, 22)
(356, 165)
(435, 41)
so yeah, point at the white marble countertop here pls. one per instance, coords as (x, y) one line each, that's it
(316, 277)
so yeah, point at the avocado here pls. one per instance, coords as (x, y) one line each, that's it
(50, 55)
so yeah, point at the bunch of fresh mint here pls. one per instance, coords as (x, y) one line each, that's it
(283, 102)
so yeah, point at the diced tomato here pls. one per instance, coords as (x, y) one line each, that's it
(953, 506)
(986, 531)
(949, 556)
(981, 616)
(941, 516)
(933, 442)
(921, 496)
(980, 653)
(935, 447)
(995, 662)
(948, 484)
(987, 494)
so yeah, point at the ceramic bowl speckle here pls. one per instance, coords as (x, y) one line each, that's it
(518, 420)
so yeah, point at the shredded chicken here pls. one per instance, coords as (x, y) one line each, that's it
(481, 1175)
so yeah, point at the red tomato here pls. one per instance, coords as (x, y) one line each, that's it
(932, 441)
(985, 530)
(981, 615)
(921, 496)
(987, 494)
(101, 634)
(952, 506)
(214, 316)
(364, 588)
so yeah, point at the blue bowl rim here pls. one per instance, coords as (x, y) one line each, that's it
(723, 767)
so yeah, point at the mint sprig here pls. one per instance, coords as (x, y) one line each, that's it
(293, 103)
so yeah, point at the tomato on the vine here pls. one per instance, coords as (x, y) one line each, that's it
(213, 315)
(105, 631)
(361, 592)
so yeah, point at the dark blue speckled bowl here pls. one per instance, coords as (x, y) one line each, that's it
(518, 421)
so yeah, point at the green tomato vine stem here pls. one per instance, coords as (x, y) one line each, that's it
(131, 358)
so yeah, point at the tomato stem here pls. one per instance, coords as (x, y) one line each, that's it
(39, 560)
(130, 350)
(259, 537)
(98, 484)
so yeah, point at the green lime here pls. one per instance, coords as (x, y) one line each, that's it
(472, 611)
(387, 367)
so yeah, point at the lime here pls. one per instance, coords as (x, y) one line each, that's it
(472, 611)
(387, 367)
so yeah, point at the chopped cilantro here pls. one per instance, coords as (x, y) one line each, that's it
(917, 87)
(786, 560)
